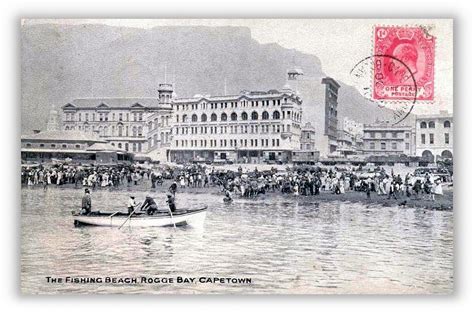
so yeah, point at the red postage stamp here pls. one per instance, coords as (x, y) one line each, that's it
(404, 64)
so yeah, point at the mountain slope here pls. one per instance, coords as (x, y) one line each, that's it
(60, 63)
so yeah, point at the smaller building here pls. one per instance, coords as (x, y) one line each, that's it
(307, 153)
(384, 138)
(75, 146)
(346, 143)
(434, 135)
(308, 137)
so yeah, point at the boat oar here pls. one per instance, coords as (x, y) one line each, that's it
(137, 206)
(171, 214)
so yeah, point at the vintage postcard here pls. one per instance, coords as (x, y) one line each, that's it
(237, 156)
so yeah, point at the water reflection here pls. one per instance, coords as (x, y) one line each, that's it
(286, 245)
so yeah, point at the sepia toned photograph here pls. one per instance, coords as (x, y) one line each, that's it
(237, 156)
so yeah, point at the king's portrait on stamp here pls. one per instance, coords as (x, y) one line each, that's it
(409, 70)
(237, 156)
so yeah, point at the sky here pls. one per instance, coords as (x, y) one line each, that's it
(338, 43)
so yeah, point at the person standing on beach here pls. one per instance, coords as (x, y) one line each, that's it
(86, 202)
(367, 184)
(131, 204)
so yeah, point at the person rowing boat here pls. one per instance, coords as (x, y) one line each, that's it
(149, 205)
(131, 204)
(86, 202)
(171, 203)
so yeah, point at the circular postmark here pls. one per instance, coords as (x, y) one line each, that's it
(367, 76)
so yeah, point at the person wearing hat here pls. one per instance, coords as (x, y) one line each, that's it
(86, 202)
(131, 204)
(171, 203)
(149, 205)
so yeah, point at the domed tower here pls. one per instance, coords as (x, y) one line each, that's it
(165, 93)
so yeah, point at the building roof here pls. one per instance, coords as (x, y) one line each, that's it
(53, 150)
(245, 95)
(386, 125)
(308, 127)
(104, 147)
(115, 103)
(440, 115)
(63, 135)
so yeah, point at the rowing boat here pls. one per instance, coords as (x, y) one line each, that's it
(163, 219)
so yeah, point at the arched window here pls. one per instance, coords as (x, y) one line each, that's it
(233, 116)
(194, 118)
(254, 115)
(223, 117)
(203, 117)
(423, 125)
(134, 131)
(140, 131)
(276, 115)
(213, 117)
(156, 123)
(185, 118)
(447, 124)
(265, 115)
(447, 154)
(120, 130)
(431, 124)
(244, 116)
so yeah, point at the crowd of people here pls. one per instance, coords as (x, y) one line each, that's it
(304, 181)
(313, 181)
(87, 176)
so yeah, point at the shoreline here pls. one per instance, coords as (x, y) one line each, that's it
(442, 202)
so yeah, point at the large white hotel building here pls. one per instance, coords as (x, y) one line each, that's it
(249, 127)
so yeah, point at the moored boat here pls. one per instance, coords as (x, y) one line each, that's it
(163, 219)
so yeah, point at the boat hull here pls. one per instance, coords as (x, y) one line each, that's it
(194, 218)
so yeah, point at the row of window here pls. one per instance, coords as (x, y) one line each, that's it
(104, 117)
(136, 146)
(225, 105)
(223, 143)
(154, 124)
(244, 129)
(383, 146)
(53, 145)
(432, 139)
(233, 116)
(431, 124)
(104, 131)
(388, 135)
(153, 141)
(120, 131)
